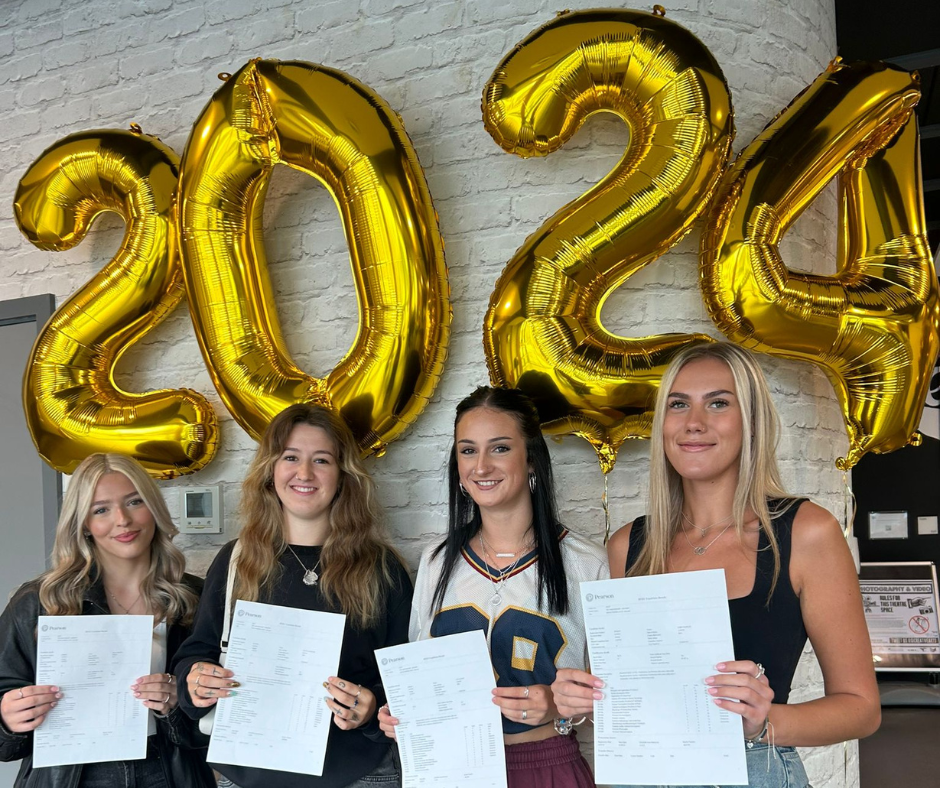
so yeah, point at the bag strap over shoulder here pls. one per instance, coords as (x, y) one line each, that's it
(229, 593)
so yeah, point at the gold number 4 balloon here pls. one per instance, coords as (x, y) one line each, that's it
(73, 407)
(873, 327)
(542, 332)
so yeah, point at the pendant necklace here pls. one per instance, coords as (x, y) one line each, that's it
(127, 610)
(707, 528)
(701, 550)
(497, 599)
(310, 575)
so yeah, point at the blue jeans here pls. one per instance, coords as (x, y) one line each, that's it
(766, 769)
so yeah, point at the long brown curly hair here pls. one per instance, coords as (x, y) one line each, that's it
(355, 561)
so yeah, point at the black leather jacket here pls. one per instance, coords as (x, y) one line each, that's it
(181, 746)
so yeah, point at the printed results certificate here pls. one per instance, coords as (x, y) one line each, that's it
(654, 640)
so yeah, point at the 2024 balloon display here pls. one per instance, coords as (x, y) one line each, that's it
(873, 327)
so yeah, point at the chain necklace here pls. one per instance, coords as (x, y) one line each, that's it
(497, 598)
(707, 528)
(701, 550)
(310, 575)
(127, 610)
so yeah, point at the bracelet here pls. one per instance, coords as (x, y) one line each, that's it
(564, 725)
(750, 742)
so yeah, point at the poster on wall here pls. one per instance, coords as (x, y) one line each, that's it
(900, 602)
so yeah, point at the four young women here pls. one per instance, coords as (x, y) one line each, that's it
(312, 539)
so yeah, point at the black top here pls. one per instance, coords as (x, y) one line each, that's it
(180, 746)
(349, 754)
(771, 633)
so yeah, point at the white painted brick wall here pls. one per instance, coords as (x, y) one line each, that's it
(71, 65)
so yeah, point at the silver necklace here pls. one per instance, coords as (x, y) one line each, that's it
(707, 528)
(310, 575)
(497, 599)
(701, 550)
(127, 610)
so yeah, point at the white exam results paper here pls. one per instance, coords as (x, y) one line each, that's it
(93, 660)
(278, 717)
(654, 640)
(450, 731)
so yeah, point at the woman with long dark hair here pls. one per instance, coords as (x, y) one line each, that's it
(716, 501)
(509, 568)
(312, 538)
(113, 555)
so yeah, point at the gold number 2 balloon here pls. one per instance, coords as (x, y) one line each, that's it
(328, 125)
(872, 327)
(73, 407)
(542, 333)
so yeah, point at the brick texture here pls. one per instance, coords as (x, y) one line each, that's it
(78, 64)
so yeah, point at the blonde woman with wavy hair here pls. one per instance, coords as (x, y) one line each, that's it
(313, 538)
(716, 502)
(113, 555)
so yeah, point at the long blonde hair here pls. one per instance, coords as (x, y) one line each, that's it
(758, 474)
(75, 565)
(355, 558)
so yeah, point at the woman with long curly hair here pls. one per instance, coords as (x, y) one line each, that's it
(312, 537)
(716, 501)
(113, 555)
(509, 567)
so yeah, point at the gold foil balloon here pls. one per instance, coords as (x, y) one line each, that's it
(73, 407)
(872, 327)
(542, 333)
(328, 125)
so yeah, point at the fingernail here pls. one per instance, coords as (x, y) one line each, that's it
(710, 680)
(234, 684)
(720, 666)
(713, 690)
(717, 701)
(54, 689)
(598, 696)
(599, 684)
(136, 694)
(58, 694)
(231, 693)
(326, 685)
(52, 704)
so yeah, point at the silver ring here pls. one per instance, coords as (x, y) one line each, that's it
(169, 678)
(167, 699)
(760, 671)
(21, 694)
(525, 714)
(358, 691)
(526, 693)
(198, 676)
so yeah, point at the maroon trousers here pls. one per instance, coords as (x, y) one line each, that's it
(551, 763)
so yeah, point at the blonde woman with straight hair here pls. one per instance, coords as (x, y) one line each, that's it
(716, 501)
(313, 538)
(113, 555)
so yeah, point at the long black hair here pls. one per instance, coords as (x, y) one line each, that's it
(464, 520)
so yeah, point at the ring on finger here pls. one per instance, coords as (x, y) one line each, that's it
(167, 699)
(525, 694)
(358, 691)
(760, 671)
(525, 714)
(169, 678)
(21, 694)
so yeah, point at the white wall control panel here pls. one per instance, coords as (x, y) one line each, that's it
(200, 510)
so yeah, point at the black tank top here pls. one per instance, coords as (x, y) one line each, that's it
(772, 634)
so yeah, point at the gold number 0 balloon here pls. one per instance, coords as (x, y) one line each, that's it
(326, 124)
(542, 332)
(73, 407)
(873, 326)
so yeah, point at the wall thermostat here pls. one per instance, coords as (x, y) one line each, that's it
(200, 510)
